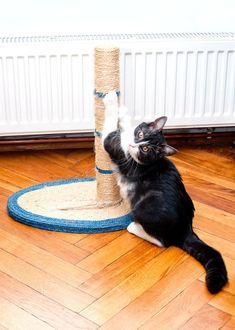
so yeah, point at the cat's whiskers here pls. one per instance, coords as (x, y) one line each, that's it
(132, 165)
(125, 160)
(136, 166)
(126, 163)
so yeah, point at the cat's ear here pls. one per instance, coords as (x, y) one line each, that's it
(168, 150)
(158, 124)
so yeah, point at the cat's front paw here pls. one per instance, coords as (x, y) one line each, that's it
(122, 112)
(124, 118)
(111, 99)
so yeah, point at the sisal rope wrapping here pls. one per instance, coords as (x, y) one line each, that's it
(106, 80)
(106, 69)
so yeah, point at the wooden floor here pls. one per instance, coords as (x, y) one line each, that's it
(114, 280)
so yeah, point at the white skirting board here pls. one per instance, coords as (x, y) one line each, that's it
(47, 83)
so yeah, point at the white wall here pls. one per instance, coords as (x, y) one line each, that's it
(29, 17)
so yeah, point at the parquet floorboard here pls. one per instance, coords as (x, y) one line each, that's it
(230, 325)
(207, 317)
(52, 280)
(183, 307)
(39, 305)
(14, 317)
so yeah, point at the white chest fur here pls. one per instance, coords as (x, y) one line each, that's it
(126, 188)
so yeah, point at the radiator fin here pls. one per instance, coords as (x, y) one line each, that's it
(46, 84)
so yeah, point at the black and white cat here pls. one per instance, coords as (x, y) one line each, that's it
(162, 209)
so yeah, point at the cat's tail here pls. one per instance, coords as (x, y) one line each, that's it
(216, 273)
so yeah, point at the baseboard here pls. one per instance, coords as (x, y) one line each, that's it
(181, 137)
(45, 143)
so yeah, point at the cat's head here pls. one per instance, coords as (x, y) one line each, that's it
(149, 143)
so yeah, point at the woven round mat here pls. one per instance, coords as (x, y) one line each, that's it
(68, 206)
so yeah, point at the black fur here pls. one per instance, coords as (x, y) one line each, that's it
(159, 201)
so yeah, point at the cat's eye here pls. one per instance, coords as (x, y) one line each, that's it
(145, 148)
(140, 135)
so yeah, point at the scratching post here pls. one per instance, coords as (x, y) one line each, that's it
(81, 205)
(106, 80)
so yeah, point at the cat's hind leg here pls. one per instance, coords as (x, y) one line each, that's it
(136, 229)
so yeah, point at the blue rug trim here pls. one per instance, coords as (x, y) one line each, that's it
(63, 225)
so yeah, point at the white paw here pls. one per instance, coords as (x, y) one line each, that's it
(124, 118)
(110, 99)
(132, 227)
(122, 112)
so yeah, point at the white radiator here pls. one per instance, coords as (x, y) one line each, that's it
(46, 83)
